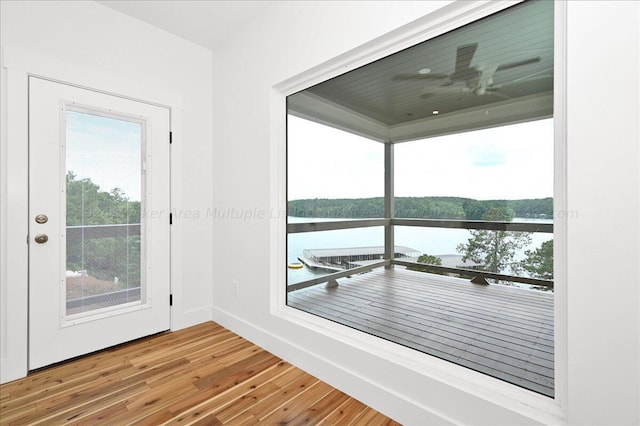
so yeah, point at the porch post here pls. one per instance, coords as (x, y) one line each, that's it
(389, 243)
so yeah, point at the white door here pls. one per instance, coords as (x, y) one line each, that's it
(98, 221)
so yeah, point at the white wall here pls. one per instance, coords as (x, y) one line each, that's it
(601, 376)
(604, 190)
(90, 44)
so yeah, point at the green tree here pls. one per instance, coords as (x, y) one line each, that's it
(430, 260)
(539, 263)
(474, 209)
(418, 207)
(105, 257)
(495, 251)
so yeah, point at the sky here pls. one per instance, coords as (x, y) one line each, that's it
(106, 150)
(508, 162)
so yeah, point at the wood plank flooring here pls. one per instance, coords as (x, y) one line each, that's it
(505, 332)
(201, 375)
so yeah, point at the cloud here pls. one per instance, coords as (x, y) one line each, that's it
(507, 162)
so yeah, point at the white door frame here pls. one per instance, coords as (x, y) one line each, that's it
(18, 64)
(54, 334)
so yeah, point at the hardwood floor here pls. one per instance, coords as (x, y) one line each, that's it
(201, 375)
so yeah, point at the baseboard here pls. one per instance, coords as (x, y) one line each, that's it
(373, 394)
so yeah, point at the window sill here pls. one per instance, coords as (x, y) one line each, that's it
(493, 393)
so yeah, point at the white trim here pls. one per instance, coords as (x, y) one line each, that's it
(145, 296)
(19, 64)
(560, 278)
(13, 363)
(497, 395)
(449, 17)
(86, 77)
(527, 108)
(320, 110)
(483, 387)
(175, 230)
(278, 199)
(3, 229)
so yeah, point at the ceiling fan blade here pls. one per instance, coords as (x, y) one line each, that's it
(464, 56)
(515, 64)
(434, 76)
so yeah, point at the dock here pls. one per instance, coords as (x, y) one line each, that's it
(315, 265)
(351, 257)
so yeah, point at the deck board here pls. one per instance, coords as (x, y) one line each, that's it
(459, 323)
(506, 332)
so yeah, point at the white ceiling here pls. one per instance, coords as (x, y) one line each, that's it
(205, 22)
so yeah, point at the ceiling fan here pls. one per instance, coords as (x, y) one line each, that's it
(478, 78)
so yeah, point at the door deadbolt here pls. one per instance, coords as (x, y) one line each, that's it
(42, 218)
(41, 238)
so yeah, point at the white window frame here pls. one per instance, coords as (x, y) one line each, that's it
(492, 390)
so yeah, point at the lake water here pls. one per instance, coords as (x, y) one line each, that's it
(434, 241)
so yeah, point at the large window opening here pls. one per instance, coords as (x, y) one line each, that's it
(420, 197)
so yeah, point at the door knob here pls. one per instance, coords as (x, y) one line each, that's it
(41, 238)
(41, 218)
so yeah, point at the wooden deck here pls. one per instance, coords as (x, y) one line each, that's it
(505, 332)
(200, 375)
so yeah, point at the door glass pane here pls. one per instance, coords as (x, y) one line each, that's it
(103, 202)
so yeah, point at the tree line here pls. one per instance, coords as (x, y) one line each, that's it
(420, 208)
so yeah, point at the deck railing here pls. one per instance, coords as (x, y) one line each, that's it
(110, 298)
(294, 228)
(79, 233)
(76, 233)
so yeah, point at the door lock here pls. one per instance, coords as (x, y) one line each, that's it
(41, 218)
(41, 238)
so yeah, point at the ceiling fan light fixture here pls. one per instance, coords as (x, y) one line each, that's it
(436, 112)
